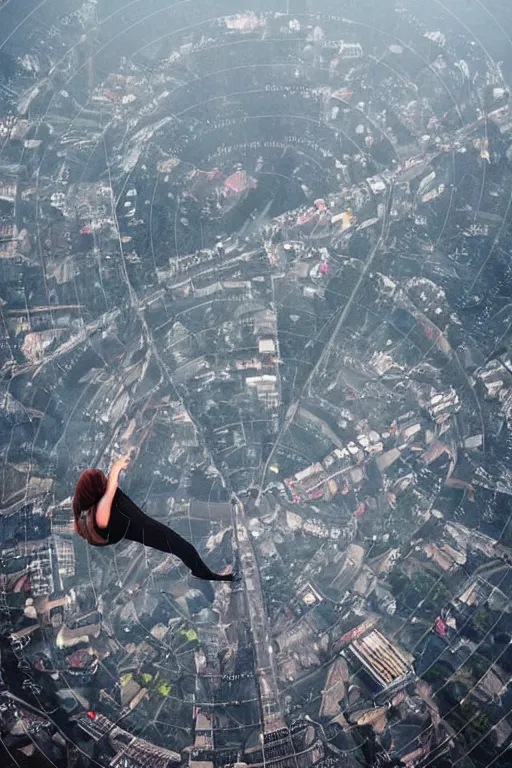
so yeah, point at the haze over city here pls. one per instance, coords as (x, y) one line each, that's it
(266, 247)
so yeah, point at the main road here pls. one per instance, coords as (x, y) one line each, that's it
(272, 718)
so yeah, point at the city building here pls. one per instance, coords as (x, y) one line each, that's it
(384, 660)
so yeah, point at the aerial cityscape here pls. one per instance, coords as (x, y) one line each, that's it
(268, 248)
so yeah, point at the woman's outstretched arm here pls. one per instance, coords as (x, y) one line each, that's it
(105, 503)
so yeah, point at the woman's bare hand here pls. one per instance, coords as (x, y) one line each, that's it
(121, 463)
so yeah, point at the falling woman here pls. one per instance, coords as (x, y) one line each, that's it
(105, 515)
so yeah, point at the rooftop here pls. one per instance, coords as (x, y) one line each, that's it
(385, 661)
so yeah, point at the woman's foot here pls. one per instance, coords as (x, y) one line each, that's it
(227, 574)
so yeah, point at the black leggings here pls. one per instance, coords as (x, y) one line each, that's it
(158, 536)
(128, 521)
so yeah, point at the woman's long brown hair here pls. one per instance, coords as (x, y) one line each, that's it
(91, 486)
